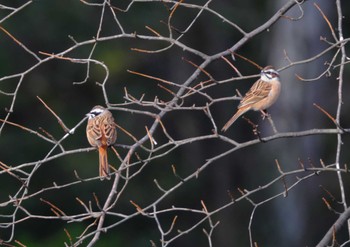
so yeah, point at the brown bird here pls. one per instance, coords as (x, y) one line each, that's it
(101, 133)
(260, 96)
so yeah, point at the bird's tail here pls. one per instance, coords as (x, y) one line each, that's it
(104, 167)
(233, 119)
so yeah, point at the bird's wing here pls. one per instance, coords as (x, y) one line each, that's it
(259, 91)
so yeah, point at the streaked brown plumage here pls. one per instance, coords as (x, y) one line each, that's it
(101, 133)
(260, 96)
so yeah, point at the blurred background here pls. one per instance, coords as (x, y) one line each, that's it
(53, 26)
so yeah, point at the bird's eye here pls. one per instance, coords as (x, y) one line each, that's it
(271, 74)
(95, 113)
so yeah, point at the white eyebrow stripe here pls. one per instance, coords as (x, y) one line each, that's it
(271, 71)
(96, 111)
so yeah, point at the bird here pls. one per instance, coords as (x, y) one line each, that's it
(101, 133)
(260, 96)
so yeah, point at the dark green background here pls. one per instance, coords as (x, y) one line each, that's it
(301, 219)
